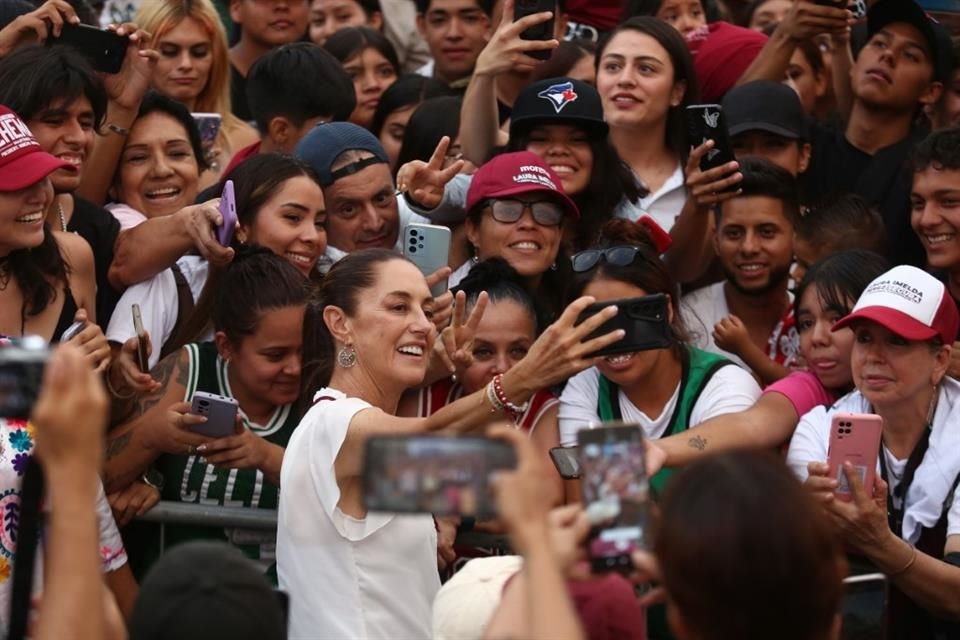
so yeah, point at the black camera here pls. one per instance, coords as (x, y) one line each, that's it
(21, 373)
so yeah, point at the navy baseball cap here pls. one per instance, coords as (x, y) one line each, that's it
(326, 142)
(887, 12)
(764, 105)
(561, 101)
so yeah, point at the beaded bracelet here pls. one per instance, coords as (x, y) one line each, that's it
(515, 409)
(495, 404)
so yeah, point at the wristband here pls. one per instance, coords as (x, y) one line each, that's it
(913, 558)
(495, 404)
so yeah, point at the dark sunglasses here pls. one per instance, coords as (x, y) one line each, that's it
(619, 256)
(546, 213)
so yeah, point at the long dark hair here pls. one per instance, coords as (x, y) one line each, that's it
(840, 278)
(500, 281)
(341, 287)
(256, 181)
(683, 71)
(746, 553)
(433, 119)
(39, 273)
(408, 90)
(611, 183)
(350, 41)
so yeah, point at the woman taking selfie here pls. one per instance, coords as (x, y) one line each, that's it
(279, 207)
(47, 281)
(194, 70)
(828, 291)
(376, 338)
(906, 524)
(254, 359)
(664, 390)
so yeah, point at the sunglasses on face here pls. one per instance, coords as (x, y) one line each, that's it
(546, 213)
(621, 256)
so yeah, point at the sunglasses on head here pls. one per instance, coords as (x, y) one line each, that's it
(545, 212)
(619, 256)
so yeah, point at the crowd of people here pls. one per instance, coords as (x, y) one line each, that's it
(815, 275)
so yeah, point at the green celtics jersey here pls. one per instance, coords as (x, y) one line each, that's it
(190, 479)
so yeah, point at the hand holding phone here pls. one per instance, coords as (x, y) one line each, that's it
(707, 122)
(73, 330)
(615, 493)
(220, 412)
(228, 209)
(567, 461)
(854, 438)
(104, 49)
(542, 31)
(645, 321)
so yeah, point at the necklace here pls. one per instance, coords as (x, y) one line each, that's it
(63, 218)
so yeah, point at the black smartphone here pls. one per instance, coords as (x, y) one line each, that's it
(567, 461)
(21, 372)
(104, 49)
(646, 321)
(616, 494)
(442, 475)
(864, 607)
(706, 122)
(542, 31)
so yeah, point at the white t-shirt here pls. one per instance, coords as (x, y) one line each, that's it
(705, 307)
(374, 577)
(934, 477)
(159, 305)
(730, 389)
(663, 205)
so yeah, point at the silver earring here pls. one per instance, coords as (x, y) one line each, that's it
(346, 357)
(553, 267)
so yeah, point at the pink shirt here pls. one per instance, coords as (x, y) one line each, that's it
(804, 391)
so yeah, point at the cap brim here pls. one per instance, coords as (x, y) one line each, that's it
(596, 127)
(743, 127)
(30, 169)
(572, 210)
(895, 321)
(908, 12)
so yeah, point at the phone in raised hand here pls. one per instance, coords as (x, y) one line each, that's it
(542, 31)
(228, 209)
(143, 360)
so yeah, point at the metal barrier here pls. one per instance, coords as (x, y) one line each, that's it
(168, 512)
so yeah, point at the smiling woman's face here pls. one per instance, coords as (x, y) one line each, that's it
(158, 173)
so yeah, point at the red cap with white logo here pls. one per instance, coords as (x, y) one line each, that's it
(22, 161)
(512, 174)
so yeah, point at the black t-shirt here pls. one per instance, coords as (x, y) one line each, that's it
(100, 229)
(238, 95)
(837, 167)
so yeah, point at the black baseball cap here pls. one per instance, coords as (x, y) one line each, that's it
(206, 590)
(764, 105)
(937, 36)
(326, 142)
(558, 100)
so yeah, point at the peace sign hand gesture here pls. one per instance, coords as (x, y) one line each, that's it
(424, 182)
(457, 339)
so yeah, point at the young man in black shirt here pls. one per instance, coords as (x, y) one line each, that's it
(899, 71)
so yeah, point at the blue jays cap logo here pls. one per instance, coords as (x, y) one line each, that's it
(559, 95)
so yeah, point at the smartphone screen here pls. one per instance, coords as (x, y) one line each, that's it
(864, 607)
(615, 493)
(441, 475)
(645, 321)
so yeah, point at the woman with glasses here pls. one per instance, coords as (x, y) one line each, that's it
(663, 390)
(517, 210)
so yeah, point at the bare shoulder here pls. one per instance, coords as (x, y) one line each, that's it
(75, 250)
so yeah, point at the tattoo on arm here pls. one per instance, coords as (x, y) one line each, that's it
(697, 442)
(116, 445)
(163, 373)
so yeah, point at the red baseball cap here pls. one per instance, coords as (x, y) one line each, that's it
(909, 302)
(512, 174)
(721, 54)
(22, 161)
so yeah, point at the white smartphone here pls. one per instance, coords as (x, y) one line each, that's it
(428, 247)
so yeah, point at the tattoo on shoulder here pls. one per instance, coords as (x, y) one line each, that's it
(163, 373)
(116, 445)
(697, 442)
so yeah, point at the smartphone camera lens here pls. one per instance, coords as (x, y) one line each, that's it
(204, 403)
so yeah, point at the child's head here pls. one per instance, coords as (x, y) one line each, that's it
(847, 222)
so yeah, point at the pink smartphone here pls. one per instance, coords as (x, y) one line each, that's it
(854, 438)
(228, 209)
